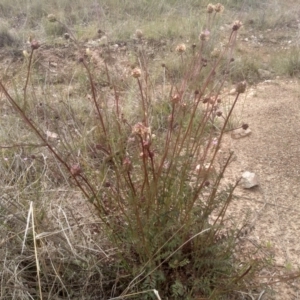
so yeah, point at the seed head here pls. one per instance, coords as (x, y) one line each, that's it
(241, 87)
(107, 184)
(51, 18)
(219, 113)
(66, 36)
(75, 170)
(237, 25)
(136, 73)
(204, 35)
(210, 8)
(245, 126)
(181, 48)
(141, 130)
(127, 165)
(207, 183)
(175, 98)
(35, 45)
(219, 7)
(139, 34)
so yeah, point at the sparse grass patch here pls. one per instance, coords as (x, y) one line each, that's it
(246, 68)
(287, 62)
(7, 38)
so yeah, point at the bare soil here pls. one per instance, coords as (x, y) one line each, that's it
(272, 151)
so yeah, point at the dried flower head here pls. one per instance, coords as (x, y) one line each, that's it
(35, 45)
(180, 48)
(66, 36)
(210, 8)
(51, 18)
(75, 170)
(204, 35)
(219, 8)
(241, 87)
(141, 130)
(207, 183)
(245, 126)
(127, 165)
(136, 72)
(237, 25)
(139, 33)
(175, 98)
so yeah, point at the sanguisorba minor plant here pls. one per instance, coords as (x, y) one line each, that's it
(156, 190)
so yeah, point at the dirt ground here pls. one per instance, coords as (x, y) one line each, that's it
(272, 152)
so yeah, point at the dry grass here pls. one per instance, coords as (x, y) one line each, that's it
(101, 197)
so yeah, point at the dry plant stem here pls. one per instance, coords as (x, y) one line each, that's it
(23, 145)
(232, 41)
(27, 79)
(220, 140)
(35, 252)
(212, 71)
(44, 140)
(131, 184)
(198, 62)
(93, 89)
(145, 119)
(146, 175)
(107, 72)
(167, 145)
(117, 109)
(138, 293)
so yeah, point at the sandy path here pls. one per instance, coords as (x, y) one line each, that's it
(273, 153)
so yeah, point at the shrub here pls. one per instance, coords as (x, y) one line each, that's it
(148, 167)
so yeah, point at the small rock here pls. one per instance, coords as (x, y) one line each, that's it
(232, 92)
(51, 135)
(249, 180)
(240, 133)
(252, 93)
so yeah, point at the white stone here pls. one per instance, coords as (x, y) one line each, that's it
(240, 133)
(249, 180)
